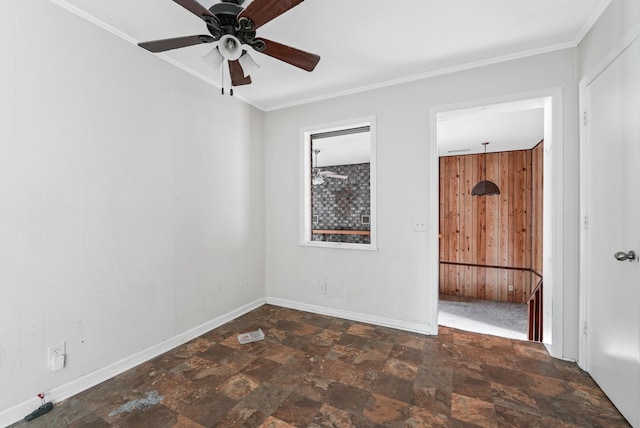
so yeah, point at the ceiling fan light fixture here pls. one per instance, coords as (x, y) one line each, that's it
(248, 64)
(230, 47)
(317, 179)
(214, 58)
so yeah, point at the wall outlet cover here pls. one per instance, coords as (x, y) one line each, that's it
(56, 356)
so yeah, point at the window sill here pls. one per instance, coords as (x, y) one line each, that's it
(339, 245)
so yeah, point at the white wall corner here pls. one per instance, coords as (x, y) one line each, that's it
(409, 326)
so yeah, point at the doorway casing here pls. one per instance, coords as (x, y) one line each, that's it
(552, 210)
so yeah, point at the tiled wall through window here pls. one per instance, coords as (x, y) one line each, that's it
(341, 204)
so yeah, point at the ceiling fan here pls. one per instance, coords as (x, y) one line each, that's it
(319, 176)
(233, 26)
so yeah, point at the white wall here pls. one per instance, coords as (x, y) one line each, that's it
(621, 17)
(131, 200)
(393, 283)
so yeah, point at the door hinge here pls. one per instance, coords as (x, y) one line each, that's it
(586, 223)
(584, 328)
(584, 117)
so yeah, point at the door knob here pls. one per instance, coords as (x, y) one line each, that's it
(622, 256)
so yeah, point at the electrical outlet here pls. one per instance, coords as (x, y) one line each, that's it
(420, 225)
(510, 287)
(56, 356)
(59, 349)
(323, 287)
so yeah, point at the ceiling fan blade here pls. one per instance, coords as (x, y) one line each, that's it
(175, 43)
(237, 74)
(263, 11)
(301, 59)
(197, 9)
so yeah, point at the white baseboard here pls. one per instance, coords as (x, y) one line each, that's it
(356, 316)
(62, 392)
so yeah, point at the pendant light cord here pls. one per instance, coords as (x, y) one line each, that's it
(485, 161)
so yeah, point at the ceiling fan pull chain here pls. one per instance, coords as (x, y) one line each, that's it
(222, 78)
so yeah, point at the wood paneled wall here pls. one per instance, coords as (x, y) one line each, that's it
(537, 165)
(491, 230)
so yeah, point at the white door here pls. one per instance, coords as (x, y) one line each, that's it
(613, 218)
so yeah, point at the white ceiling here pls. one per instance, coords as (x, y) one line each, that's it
(343, 150)
(507, 126)
(362, 43)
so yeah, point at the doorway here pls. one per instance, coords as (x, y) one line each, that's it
(491, 199)
(544, 107)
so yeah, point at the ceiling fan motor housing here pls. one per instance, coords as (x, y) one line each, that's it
(243, 29)
(227, 12)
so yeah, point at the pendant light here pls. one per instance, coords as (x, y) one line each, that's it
(485, 187)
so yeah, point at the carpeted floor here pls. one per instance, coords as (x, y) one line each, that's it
(484, 316)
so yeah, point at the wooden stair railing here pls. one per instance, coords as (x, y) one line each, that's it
(535, 314)
(535, 308)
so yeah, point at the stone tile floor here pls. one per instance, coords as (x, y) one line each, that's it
(318, 371)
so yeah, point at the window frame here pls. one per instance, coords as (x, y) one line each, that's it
(305, 183)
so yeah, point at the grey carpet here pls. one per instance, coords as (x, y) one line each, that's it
(485, 316)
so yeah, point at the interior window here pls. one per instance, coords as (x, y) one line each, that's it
(340, 187)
